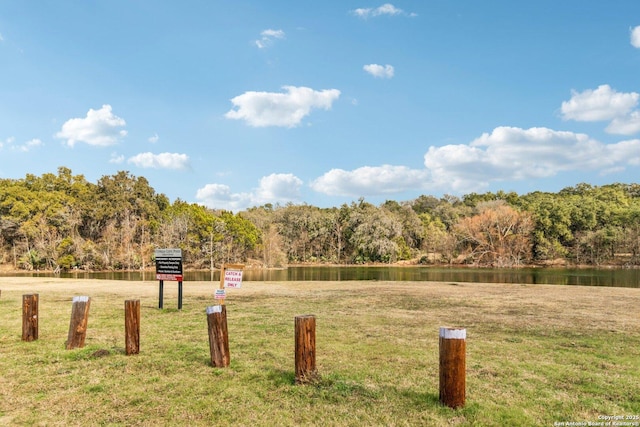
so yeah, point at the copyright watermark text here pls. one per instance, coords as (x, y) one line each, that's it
(604, 421)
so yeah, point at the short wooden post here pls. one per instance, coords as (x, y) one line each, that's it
(453, 367)
(305, 330)
(218, 335)
(30, 317)
(78, 322)
(132, 326)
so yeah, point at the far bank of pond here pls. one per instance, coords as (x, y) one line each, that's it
(611, 277)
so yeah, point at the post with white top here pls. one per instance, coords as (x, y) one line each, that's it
(453, 366)
(218, 335)
(78, 323)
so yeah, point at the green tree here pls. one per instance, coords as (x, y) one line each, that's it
(373, 233)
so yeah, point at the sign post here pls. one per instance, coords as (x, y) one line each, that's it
(230, 277)
(169, 267)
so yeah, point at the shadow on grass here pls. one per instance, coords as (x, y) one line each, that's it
(334, 387)
(420, 399)
(281, 377)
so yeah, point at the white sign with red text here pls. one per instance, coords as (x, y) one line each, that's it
(232, 278)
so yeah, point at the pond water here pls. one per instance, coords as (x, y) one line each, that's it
(629, 278)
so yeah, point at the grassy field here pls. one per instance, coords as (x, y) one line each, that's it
(536, 355)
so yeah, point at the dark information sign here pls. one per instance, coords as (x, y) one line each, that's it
(169, 267)
(169, 264)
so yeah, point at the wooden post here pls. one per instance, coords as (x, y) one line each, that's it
(78, 323)
(132, 326)
(218, 335)
(305, 329)
(30, 317)
(222, 268)
(453, 367)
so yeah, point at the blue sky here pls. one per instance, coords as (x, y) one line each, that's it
(234, 104)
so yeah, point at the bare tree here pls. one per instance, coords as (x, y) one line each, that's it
(499, 236)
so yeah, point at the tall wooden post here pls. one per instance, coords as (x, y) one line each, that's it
(222, 269)
(30, 317)
(305, 330)
(218, 336)
(453, 367)
(132, 326)
(78, 323)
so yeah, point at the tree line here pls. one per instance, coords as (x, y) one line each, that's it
(61, 221)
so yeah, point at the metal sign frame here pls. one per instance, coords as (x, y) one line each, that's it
(169, 267)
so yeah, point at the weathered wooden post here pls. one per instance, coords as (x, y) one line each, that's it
(453, 366)
(30, 317)
(132, 326)
(218, 335)
(305, 330)
(78, 323)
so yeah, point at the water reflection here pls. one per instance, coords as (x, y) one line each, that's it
(585, 277)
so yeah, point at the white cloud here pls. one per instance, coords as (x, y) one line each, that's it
(100, 128)
(605, 103)
(27, 146)
(160, 161)
(380, 71)
(627, 125)
(267, 37)
(370, 180)
(154, 138)
(116, 158)
(505, 154)
(385, 9)
(510, 153)
(602, 103)
(1, 38)
(261, 109)
(635, 37)
(219, 196)
(275, 188)
(10, 144)
(278, 188)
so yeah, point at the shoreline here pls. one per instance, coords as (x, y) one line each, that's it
(7, 270)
